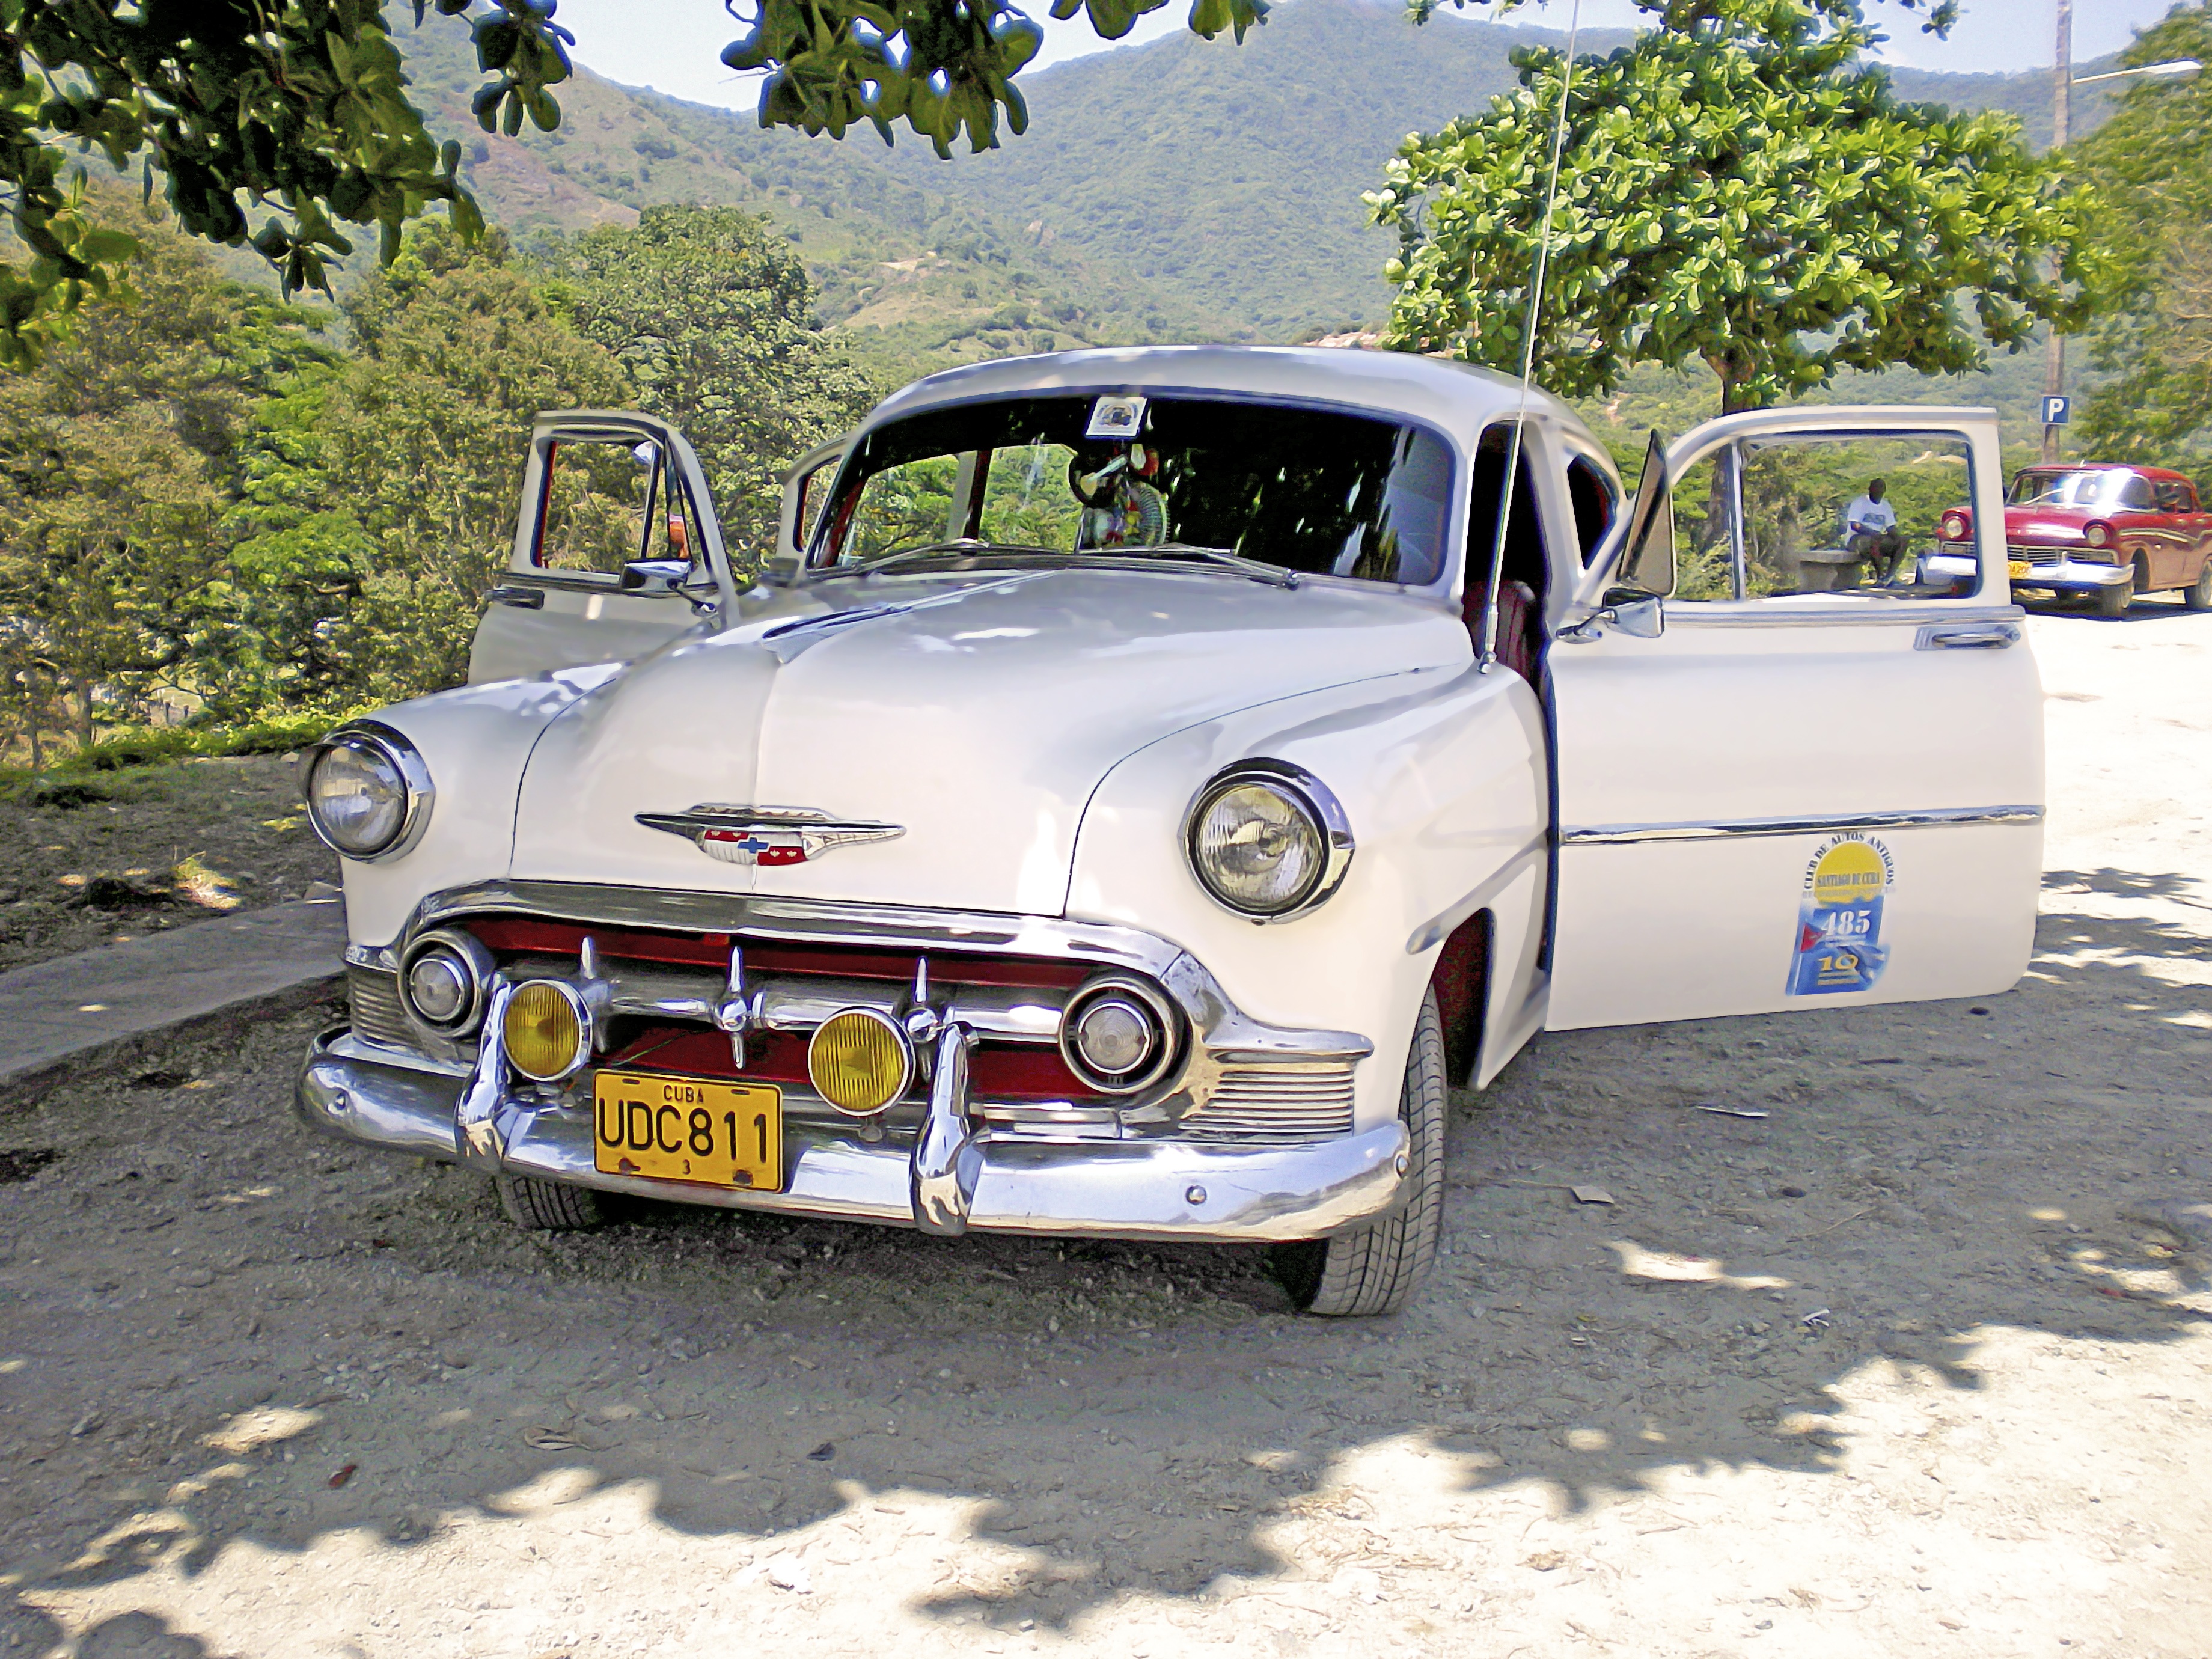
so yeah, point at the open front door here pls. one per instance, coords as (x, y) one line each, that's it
(806, 488)
(616, 549)
(1792, 773)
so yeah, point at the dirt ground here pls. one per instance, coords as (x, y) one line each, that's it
(1907, 1365)
(86, 860)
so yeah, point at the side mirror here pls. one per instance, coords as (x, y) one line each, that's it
(1640, 615)
(1647, 560)
(655, 576)
(1629, 610)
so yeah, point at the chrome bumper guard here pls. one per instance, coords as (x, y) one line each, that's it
(955, 1177)
(2058, 573)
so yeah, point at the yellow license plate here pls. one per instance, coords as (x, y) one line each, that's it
(2016, 568)
(689, 1128)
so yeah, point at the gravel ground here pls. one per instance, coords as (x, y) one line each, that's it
(1916, 1361)
(87, 860)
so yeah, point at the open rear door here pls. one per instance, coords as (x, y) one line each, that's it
(1789, 773)
(616, 549)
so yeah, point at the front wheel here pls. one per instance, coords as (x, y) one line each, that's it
(1376, 1269)
(2114, 601)
(2197, 596)
(549, 1206)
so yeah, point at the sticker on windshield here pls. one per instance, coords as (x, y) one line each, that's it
(1839, 944)
(1115, 417)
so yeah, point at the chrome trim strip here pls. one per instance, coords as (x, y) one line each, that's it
(1789, 612)
(801, 921)
(1617, 835)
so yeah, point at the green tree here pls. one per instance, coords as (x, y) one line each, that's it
(117, 455)
(711, 315)
(2151, 165)
(381, 493)
(296, 110)
(1736, 188)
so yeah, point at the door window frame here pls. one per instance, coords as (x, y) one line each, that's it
(1976, 429)
(678, 467)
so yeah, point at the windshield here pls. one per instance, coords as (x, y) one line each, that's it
(2096, 489)
(1314, 491)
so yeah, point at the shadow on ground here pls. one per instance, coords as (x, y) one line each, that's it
(1128, 1418)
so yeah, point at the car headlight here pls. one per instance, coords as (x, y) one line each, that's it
(1267, 840)
(368, 793)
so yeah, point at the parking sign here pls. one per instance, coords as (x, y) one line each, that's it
(2058, 410)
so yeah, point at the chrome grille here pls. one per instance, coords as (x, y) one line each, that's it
(377, 1015)
(1275, 1103)
(2036, 555)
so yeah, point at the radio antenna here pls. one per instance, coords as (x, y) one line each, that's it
(1529, 349)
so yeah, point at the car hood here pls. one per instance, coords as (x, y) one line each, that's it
(2047, 524)
(978, 720)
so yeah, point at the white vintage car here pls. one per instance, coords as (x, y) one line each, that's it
(1147, 779)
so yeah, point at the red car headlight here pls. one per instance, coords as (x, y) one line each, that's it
(1956, 527)
(2097, 535)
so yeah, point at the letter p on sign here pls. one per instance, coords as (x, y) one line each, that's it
(2058, 410)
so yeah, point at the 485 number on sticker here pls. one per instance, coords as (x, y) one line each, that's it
(689, 1128)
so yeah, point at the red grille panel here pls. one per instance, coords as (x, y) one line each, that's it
(995, 1073)
(520, 935)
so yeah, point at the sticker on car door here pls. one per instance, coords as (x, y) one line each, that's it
(1839, 944)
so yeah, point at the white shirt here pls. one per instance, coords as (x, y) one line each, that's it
(1868, 514)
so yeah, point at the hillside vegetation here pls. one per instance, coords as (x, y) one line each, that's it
(1185, 190)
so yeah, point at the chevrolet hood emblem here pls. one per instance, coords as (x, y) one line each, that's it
(767, 836)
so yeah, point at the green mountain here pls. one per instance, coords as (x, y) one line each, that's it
(1180, 189)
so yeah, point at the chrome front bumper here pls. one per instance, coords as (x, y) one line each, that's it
(951, 1176)
(2072, 574)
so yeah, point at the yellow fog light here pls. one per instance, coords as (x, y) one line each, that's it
(860, 1061)
(546, 1030)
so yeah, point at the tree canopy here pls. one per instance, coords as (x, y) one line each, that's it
(709, 315)
(295, 111)
(2152, 167)
(1736, 188)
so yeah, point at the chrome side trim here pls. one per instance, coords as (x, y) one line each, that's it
(1617, 835)
(1787, 612)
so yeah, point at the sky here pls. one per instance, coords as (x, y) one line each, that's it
(675, 45)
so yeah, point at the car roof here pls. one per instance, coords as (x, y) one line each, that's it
(1458, 399)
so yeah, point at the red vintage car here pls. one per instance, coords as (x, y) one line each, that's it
(2115, 532)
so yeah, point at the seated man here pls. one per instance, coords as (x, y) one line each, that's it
(1870, 531)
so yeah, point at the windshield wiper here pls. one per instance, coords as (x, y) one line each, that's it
(1273, 574)
(963, 546)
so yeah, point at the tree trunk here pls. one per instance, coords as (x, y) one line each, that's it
(84, 714)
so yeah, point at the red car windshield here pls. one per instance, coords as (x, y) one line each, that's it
(2104, 488)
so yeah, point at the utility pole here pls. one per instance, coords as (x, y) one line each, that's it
(2062, 99)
